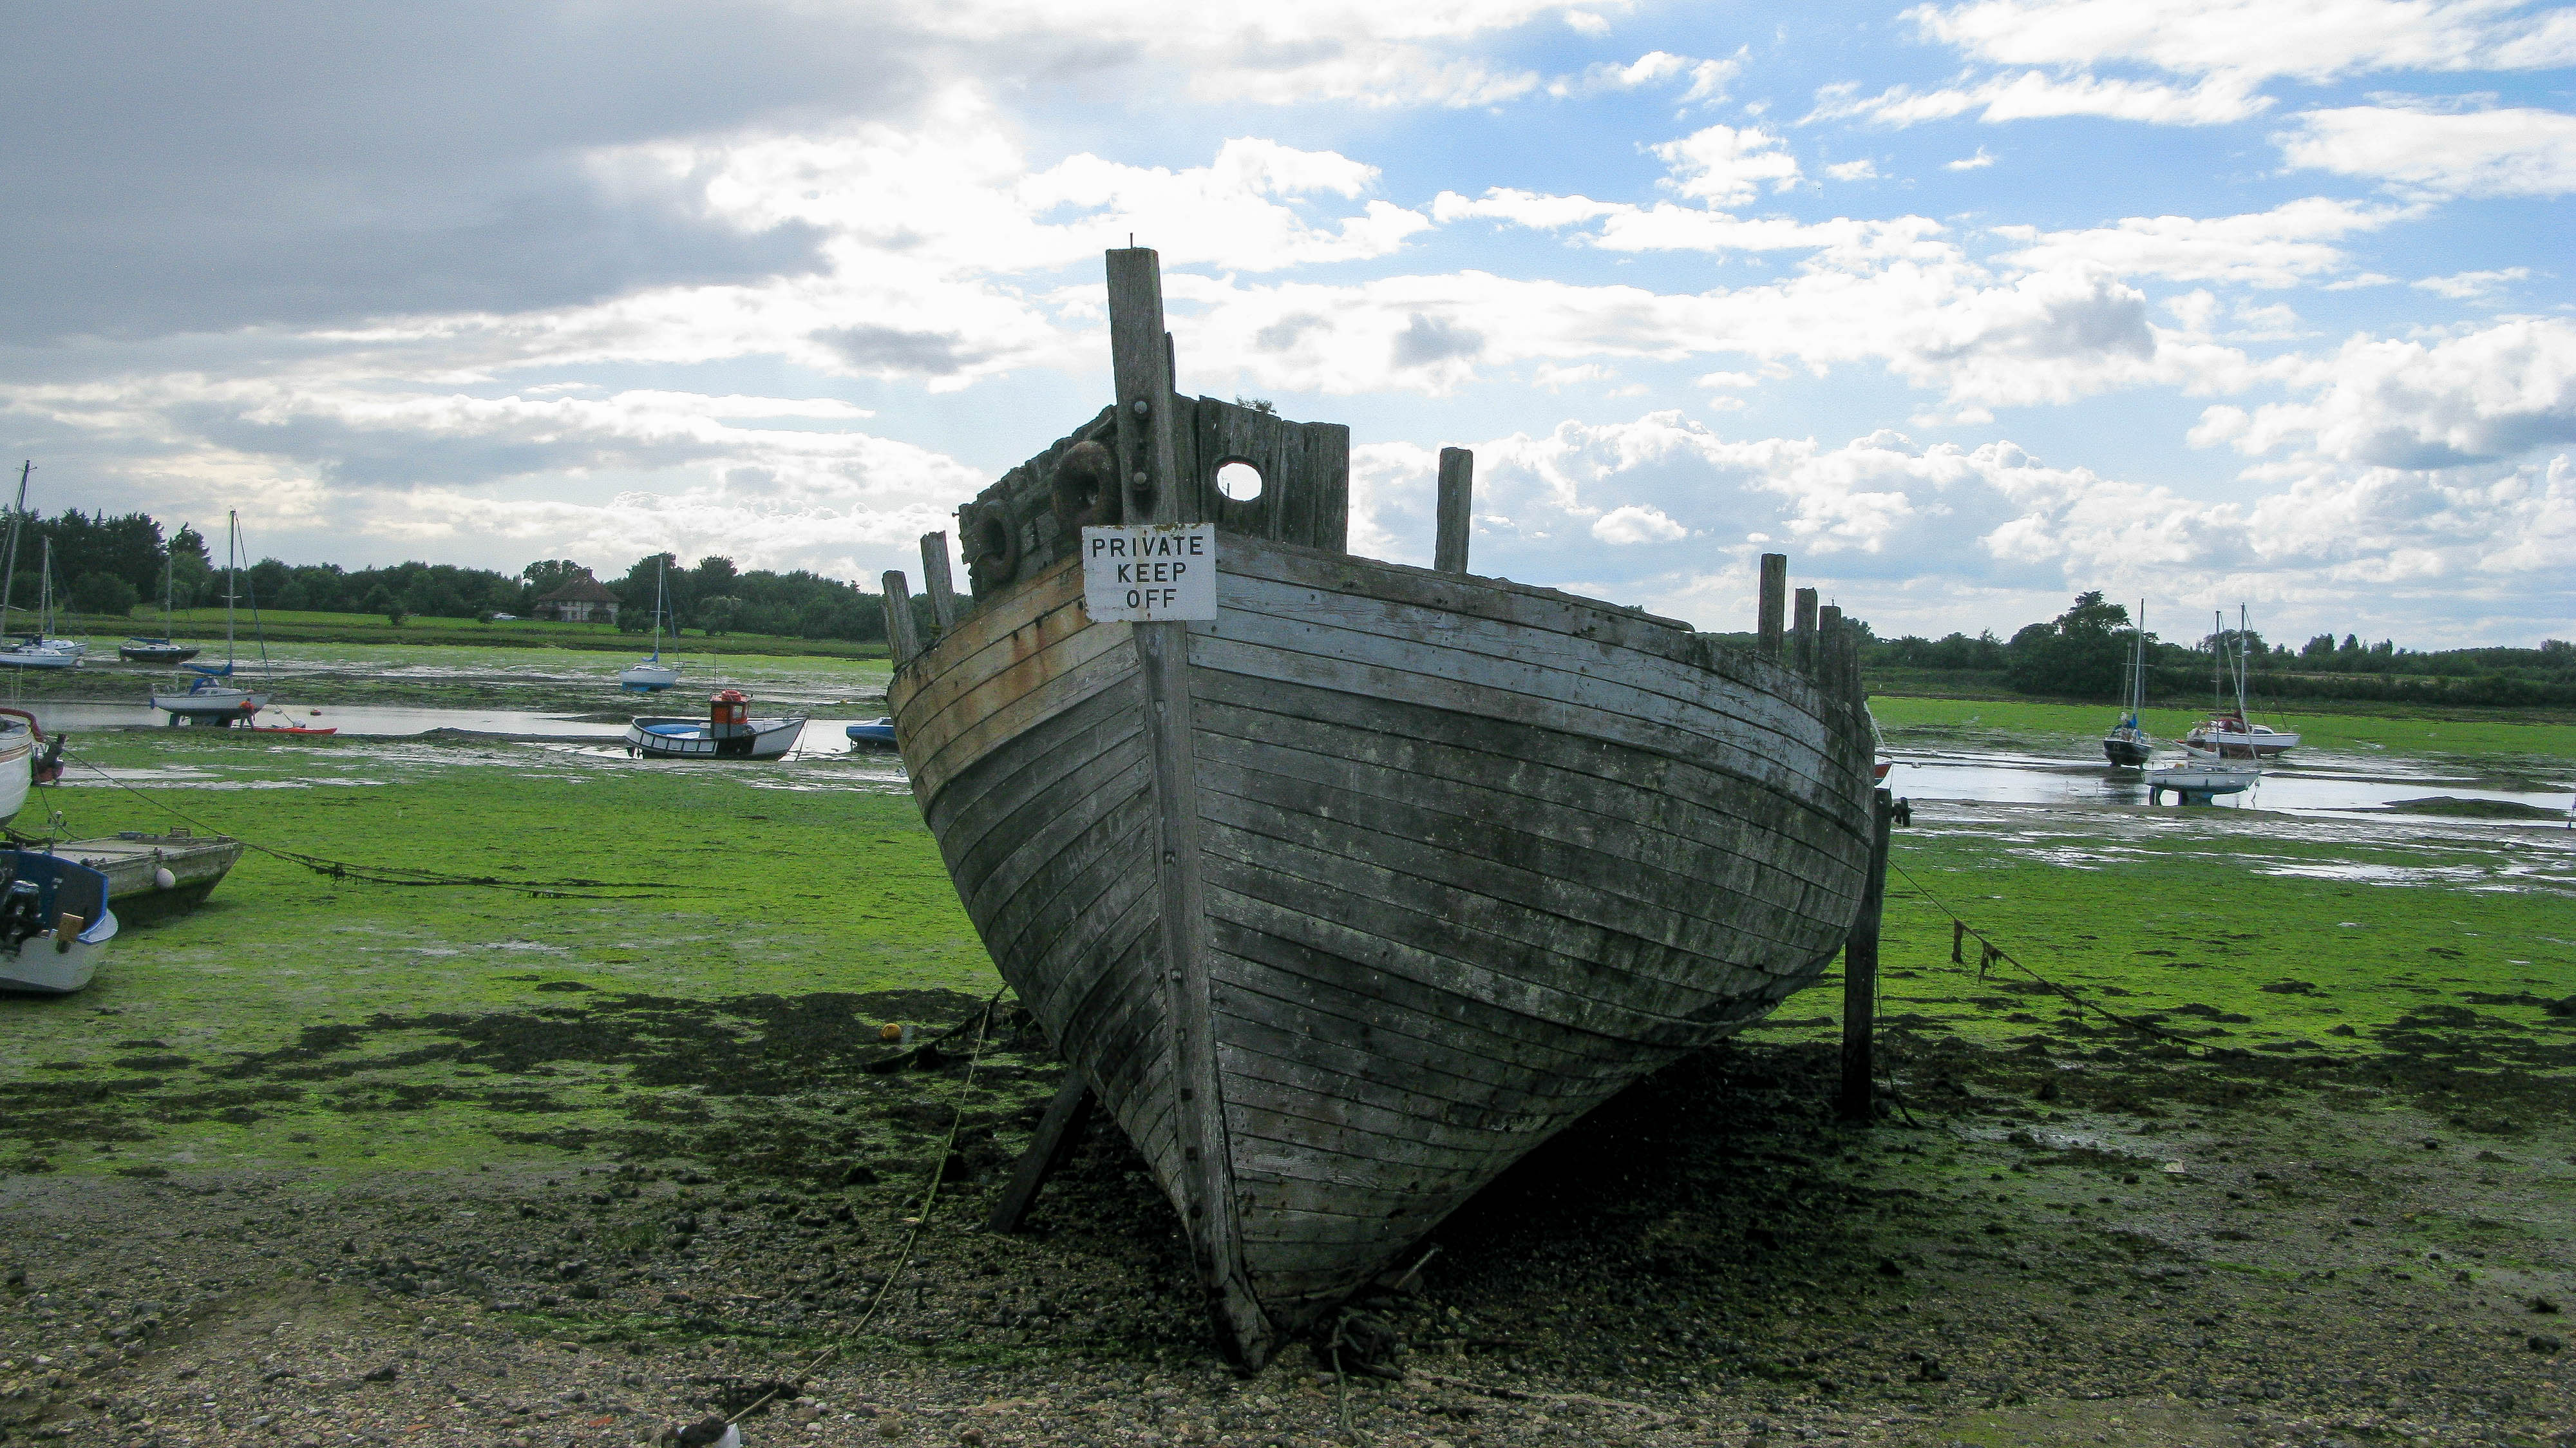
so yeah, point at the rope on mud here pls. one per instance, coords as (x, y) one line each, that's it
(912, 1238)
(1989, 953)
(392, 874)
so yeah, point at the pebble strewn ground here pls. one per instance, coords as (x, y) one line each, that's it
(2063, 1244)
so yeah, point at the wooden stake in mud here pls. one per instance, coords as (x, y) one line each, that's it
(901, 639)
(936, 582)
(1860, 969)
(1058, 1133)
(1457, 509)
(1775, 602)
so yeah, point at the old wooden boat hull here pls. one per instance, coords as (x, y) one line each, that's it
(1348, 899)
(153, 876)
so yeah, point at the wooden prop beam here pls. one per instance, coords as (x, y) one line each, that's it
(1457, 509)
(1802, 650)
(1860, 971)
(1058, 1133)
(1774, 607)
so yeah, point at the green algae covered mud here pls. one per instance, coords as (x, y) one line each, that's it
(332, 1156)
(298, 1018)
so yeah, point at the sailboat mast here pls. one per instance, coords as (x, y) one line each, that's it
(661, 575)
(45, 595)
(2138, 667)
(232, 545)
(17, 515)
(2243, 666)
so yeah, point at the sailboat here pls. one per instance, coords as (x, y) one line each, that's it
(2127, 745)
(209, 700)
(2231, 736)
(651, 674)
(162, 650)
(28, 651)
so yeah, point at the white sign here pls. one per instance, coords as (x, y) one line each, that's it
(1149, 573)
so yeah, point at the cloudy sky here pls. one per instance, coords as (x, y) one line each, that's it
(1964, 306)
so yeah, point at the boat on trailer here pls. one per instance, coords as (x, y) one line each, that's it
(1347, 896)
(728, 732)
(54, 923)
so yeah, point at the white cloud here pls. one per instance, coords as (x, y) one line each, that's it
(2508, 152)
(1637, 523)
(1708, 78)
(1977, 162)
(2254, 40)
(2275, 248)
(1860, 170)
(1724, 166)
(2034, 95)
(2481, 397)
(2472, 286)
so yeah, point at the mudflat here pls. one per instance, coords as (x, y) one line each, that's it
(333, 1161)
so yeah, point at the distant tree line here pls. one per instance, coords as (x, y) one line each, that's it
(2084, 653)
(109, 565)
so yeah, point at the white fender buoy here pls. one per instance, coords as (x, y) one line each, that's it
(162, 878)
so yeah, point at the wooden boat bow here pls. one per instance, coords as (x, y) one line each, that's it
(1345, 899)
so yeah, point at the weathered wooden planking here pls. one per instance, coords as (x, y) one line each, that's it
(1305, 474)
(1747, 733)
(1571, 771)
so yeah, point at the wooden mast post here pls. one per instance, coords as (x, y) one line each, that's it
(1860, 970)
(1802, 651)
(935, 581)
(1774, 604)
(1149, 469)
(1457, 509)
(902, 640)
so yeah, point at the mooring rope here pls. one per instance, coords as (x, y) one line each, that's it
(394, 874)
(1990, 952)
(920, 1220)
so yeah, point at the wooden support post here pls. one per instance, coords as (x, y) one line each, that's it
(901, 639)
(1802, 650)
(1773, 611)
(935, 579)
(1149, 449)
(1826, 665)
(1058, 1133)
(1457, 509)
(1860, 971)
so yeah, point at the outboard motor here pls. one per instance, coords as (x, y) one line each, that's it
(22, 914)
(49, 765)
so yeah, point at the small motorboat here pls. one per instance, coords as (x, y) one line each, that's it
(875, 734)
(38, 654)
(728, 732)
(155, 651)
(54, 923)
(2200, 779)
